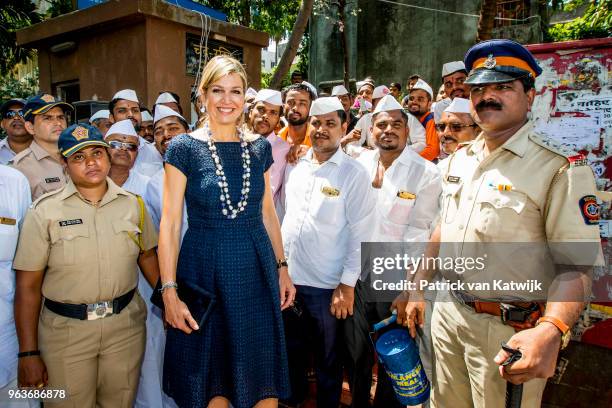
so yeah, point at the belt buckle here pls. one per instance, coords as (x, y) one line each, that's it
(513, 313)
(99, 310)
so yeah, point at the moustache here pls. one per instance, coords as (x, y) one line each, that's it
(488, 104)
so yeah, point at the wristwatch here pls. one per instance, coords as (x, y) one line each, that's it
(563, 328)
(282, 262)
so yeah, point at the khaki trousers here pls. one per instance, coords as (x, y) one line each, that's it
(97, 362)
(465, 343)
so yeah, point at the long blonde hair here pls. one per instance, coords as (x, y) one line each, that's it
(215, 69)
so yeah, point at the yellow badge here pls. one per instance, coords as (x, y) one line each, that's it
(80, 133)
(7, 221)
(330, 191)
(48, 98)
(406, 195)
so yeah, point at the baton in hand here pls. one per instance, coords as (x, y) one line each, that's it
(514, 393)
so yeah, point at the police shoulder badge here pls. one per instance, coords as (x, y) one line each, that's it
(589, 209)
(490, 62)
(80, 133)
(48, 98)
(406, 195)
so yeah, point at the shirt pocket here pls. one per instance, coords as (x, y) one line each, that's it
(127, 235)
(400, 210)
(500, 213)
(9, 235)
(329, 210)
(450, 201)
(68, 244)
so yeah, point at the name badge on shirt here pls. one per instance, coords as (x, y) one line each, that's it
(330, 191)
(406, 195)
(7, 221)
(52, 180)
(67, 223)
(453, 179)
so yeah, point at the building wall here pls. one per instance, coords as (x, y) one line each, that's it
(391, 42)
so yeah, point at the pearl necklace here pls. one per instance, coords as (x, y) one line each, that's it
(227, 209)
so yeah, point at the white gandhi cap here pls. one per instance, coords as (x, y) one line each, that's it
(162, 112)
(380, 91)
(459, 105)
(123, 127)
(452, 67)
(386, 104)
(165, 97)
(270, 96)
(420, 84)
(146, 116)
(339, 90)
(325, 105)
(101, 114)
(127, 94)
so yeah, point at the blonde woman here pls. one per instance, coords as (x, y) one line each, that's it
(232, 250)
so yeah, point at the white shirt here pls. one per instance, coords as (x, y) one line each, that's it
(149, 161)
(404, 219)
(328, 210)
(15, 198)
(153, 197)
(136, 183)
(6, 153)
(416, 135)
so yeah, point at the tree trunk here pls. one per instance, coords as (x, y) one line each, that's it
(488, 9)
(245, 15)
(294, 42)
(342, 26)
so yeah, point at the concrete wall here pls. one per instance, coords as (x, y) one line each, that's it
(390, 42)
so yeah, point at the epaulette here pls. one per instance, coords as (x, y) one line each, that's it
(553, 146)
(45, 196)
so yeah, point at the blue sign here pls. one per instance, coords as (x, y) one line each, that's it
(83, 4)
(187, 4)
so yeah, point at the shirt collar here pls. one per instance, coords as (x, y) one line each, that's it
(336, 158)
(38, 151)
(517, 144)
(113, 191)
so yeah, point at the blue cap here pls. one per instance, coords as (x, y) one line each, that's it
(41, 103)
(495, 61)
(76, 137)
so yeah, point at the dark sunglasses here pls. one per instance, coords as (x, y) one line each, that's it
(454, 127)
(12, 113)
(115, 144)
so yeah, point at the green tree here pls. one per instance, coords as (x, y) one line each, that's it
(15, 14)
(595, 23)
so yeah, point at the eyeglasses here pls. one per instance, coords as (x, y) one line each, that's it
(454, 127)
(115, 144)
(10, 114)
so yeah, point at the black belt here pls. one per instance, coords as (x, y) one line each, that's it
(92, 311)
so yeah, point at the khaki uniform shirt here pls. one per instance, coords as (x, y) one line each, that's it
(85, 250)
(521, 201)
(44, 173)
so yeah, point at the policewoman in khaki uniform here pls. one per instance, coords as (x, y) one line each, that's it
(79, 249)
(510, 193)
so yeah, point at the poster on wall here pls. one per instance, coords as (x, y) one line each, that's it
(207, 51)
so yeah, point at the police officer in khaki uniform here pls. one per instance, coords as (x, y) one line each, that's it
(79, 248)
(45, 118)
(513, 187)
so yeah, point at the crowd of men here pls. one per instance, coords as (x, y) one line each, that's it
(352, 167)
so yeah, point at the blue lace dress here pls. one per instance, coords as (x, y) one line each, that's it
(240, 352)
